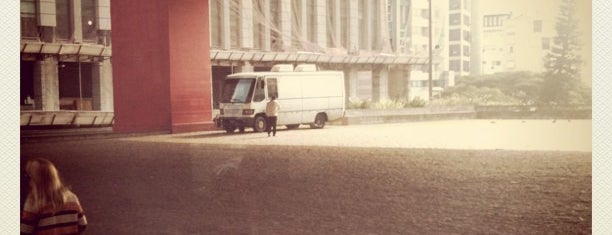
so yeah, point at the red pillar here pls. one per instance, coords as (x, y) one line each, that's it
(161, 65)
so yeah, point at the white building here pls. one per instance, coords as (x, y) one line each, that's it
(409, 30)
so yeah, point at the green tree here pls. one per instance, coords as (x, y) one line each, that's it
(511, 88)
(561, 83)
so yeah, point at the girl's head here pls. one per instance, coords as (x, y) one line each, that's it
(46, 188)
(43, 174)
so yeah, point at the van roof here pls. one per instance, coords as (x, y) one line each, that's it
(266, 73)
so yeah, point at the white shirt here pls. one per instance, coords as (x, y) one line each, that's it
(272, 108)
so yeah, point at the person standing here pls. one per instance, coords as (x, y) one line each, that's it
(272, 108)
(50, 207)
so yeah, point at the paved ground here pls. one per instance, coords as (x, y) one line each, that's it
(374, 179)
(560, 135)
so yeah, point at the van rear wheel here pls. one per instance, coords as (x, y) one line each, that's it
(260, 124)
(319, 121)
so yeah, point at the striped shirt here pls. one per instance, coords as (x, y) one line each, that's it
(70, 219)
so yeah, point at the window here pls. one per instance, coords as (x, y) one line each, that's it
(363, 25)
(277, 40)
(88, 20)
(455, 50)
(454, 19)
(537, 26)
(64, 24)
(296, 23)
(455, 65)
(455, 4)
(259, 93)
(466, 50)
(237, 90)
(29, 27)
(466, 36)
(511, 49)
(466, 20)
(375, 27)
(235, 24)
(344, 22)
(331, 23)
(455, 35)
(272, 89)
(215, 23)
(258, 29)
(466, 66)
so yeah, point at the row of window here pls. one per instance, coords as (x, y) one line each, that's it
(456, 4)
(455, 35)
(455, 50)
(64, 22)
(455, 19)
(455, 65)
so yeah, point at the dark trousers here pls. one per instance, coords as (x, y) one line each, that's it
(271, 125)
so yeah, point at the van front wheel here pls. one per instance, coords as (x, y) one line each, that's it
(319, 121)
(260, 124)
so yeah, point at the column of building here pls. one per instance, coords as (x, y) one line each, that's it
(46, 84)
(351, 72)
(102, 74)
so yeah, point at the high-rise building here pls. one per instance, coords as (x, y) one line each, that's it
(460, 36)
(409, 30)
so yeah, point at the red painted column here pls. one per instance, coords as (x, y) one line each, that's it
(161, 65)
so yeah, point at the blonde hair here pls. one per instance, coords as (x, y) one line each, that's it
(46, 188)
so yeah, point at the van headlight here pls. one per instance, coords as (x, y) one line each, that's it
(248, 111)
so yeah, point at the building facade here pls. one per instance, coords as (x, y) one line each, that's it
(460, 36)
(65, 55)
(516, 38)
(66, 47)
(351, 36)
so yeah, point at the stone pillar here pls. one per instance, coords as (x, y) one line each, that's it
(246, 24)
(46, 85)
(77, 25)
(352, 74)
(321, 24)
(383, 82)
(353, 26)
(226, 41)
(267, 43)
(161, 66)
(102, 85)
(246, 67)
(285, 11)
(376, 84)
(367, 14)
(304, 23)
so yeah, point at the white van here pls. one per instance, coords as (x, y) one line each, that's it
(306, 96)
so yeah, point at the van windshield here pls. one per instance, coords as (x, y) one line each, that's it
(237, 90)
